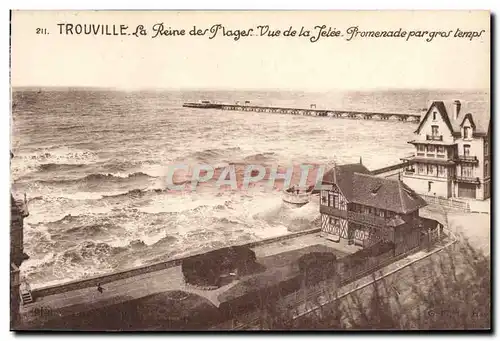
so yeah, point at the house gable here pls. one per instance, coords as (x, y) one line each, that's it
(468, 121)
(336, 189)
(436, 114)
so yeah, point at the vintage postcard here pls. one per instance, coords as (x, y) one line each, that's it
(250, 170)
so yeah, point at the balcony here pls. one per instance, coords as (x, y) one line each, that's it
(434, 137)
(429, 160)
(363, 218)
(467, 179)
(467, 159)
(333, 211)
(409, 171)
(359, 218)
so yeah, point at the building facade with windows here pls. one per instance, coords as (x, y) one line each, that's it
(452, 155)
(365, 209)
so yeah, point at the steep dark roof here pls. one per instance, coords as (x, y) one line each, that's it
(387, 194)
(343, 177)
(478, 111)
(359, 186)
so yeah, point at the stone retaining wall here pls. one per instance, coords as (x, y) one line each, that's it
(118, 275)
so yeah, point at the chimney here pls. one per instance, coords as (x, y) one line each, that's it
(456, 108)
(335, 172)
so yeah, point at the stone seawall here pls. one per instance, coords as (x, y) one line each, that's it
(114, 276)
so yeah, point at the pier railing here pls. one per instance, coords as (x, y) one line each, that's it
(335, 113)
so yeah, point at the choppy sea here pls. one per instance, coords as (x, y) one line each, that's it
(93, 166)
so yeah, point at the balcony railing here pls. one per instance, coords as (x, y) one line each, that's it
(467, 159)
(467, 179)
(434, 137)
(333, 211)
(364, 218)
(410, 171)
(356, 217)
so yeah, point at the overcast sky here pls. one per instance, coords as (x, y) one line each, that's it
(252, 62)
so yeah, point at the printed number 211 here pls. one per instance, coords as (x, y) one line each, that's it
(41, 31)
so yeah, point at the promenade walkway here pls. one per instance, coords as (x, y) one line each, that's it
(87, 299)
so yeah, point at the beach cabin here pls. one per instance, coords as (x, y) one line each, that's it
(365, 209)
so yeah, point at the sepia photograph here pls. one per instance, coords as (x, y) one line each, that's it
(250, 171)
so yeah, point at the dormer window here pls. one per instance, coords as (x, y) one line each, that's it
(467, 132)
(375, 189)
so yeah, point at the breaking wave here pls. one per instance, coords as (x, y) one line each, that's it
(82, 260)
(51, 160)
(96, 198)
(62, 155)
(212, 155)
(54, 167)
(261, 158)
(99, 178)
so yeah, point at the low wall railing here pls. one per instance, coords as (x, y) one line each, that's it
(114, 276)
(372, 265)
(446, 202)
(391, 168)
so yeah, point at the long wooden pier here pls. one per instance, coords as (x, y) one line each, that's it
(361, 115)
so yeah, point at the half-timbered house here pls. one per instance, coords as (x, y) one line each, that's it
(365, 209)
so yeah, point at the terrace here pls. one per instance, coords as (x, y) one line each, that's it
(467, 179)
(467, 159)
(356, 217)
(88, 309)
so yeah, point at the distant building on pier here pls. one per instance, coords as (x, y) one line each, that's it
(365, 209)
(452, 151)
